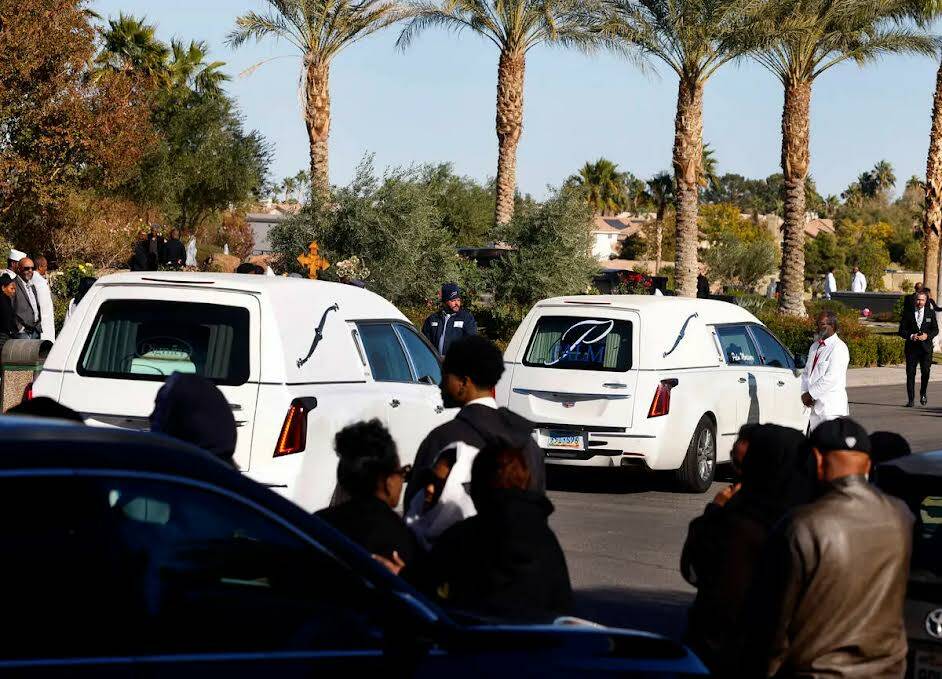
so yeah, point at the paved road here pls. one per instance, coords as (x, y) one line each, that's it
(623, 533)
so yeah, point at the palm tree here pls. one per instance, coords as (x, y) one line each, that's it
(808, 37)
(661, 192)
(514, 26)
(319, 30)
(883, 177)
(694, 38)
(131, 45)
(708, 168)
(605, 187)
(188, 68)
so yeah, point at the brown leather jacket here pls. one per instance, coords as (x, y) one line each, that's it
(828, 599)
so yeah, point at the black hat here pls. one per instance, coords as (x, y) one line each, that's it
(450, 291)
(841, 434)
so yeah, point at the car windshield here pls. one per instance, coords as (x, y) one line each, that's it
(576, 343)
(151, 340)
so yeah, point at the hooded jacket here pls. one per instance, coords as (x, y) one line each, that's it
(504, 563)
(478, 426)
(724, 545)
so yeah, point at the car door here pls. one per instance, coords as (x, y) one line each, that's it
(740, 375)
(413, 407)
(181, 577)
(778, 371)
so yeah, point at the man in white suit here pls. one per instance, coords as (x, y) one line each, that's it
(824, 382)
(44, 297)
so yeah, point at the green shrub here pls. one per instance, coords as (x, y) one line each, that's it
(66, 281)
(864, 351)
(898, 308)
(890, 350)
(498, 322)
(795, 333)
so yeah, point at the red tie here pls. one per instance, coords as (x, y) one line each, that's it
(814, 363)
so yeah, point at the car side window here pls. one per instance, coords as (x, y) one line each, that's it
(423, 359)
(116, 565)
(738, 348)
(773, 353)
(384, 351)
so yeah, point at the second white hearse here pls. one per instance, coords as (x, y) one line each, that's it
(661, 383)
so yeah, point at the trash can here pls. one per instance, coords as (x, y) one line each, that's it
(20, 363)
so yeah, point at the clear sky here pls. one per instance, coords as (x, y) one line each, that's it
(435, 102)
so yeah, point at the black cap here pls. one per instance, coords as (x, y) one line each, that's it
(450, 291)
(840, 434)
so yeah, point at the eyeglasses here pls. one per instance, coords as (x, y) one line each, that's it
(27, 268)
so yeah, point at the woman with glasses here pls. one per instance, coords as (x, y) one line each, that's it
(371, 477)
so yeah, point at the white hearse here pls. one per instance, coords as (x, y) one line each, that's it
(296, 359)
(662, 383)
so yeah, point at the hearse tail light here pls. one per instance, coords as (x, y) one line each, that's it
(28, 392)
(661, 405)
(293, 436)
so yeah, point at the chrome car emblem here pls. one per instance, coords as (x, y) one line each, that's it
(934, 623)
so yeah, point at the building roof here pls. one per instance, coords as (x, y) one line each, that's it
(622, 225)
(817, 226)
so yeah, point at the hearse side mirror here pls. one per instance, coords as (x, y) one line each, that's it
(800, 362)
(429, 380)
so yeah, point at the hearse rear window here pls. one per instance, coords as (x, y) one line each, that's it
(573, 343)
(151, 340)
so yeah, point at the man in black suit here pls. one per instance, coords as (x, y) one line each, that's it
(918, 327)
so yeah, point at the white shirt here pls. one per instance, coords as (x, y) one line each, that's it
(830, 284)
(46, 310)
(859, 282)
(191, 252)
(920, 315)
(826, 380)
(485, 401)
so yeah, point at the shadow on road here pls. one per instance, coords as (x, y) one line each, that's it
(608, 481)
(660, 611)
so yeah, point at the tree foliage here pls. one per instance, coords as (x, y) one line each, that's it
(60, 133)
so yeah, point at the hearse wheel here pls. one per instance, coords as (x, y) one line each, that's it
(696, 473)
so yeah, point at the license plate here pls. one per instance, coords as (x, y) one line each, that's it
(565, 440)
(927, 665)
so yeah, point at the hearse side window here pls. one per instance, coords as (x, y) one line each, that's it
(738, 348)
(384, 351)
(423, 360)
(167, 568)
(773, 354)
(150, 340)
(577, 343)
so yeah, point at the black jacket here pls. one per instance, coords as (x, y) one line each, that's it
(139, 259)
(371, 523)
(504, 563)
(175, 253)
(479, 426)
(460, 325)
(907, 328)
(7, 318)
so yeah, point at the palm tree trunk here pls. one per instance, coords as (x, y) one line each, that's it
(795, 160)
(317, 119)
(660, 239)
(932, 219)
(510, 72)
(688, 152)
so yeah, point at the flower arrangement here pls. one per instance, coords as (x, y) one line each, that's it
(633, 283)
(352, 269)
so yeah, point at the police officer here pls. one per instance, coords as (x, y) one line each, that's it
(451, 322)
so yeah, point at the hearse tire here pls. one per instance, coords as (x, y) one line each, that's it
(696, 473)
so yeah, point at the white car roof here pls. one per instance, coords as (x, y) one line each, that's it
(292, 308)
(711, 311)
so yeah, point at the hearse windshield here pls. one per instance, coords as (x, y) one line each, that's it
(579, 343)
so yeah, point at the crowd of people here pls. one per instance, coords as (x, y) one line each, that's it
(152, 251)
(26, 309)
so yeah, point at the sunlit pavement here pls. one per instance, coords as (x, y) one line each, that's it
(623, 533)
